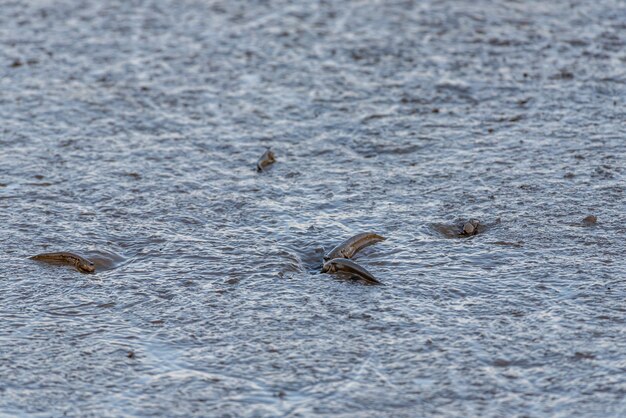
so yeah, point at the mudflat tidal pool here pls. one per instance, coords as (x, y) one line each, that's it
(130, 133)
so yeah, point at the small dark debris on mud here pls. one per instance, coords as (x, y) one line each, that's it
(583, 356)
(563, 75)
(518, 244)
(590, 220)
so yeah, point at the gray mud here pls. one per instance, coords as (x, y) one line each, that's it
(130, 132)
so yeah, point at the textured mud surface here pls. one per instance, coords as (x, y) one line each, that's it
(130, 132)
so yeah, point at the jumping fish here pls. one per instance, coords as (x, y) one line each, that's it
(471, 227)
(82, 264)
(343, 265)
(351, 246)
(266, 159)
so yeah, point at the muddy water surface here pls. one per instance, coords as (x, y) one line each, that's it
(130, 133)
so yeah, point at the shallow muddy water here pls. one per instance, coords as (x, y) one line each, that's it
(130, 133)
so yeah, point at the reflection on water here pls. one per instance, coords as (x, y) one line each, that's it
(131, 133)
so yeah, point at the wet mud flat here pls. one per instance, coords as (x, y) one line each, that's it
(131, 133)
